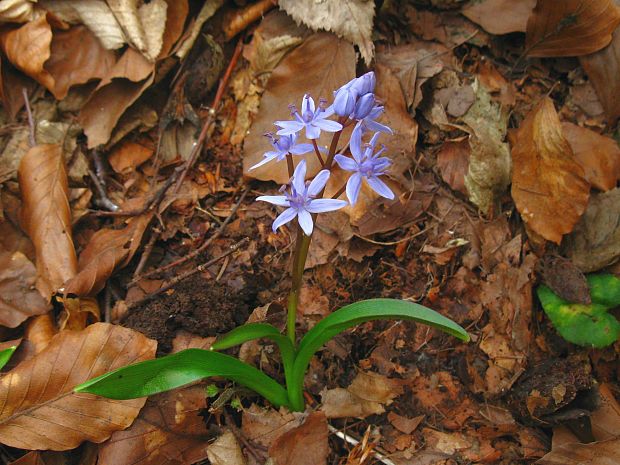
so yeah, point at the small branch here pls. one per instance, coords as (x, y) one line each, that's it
(31, 137)
(289, 164)
(340, 191)
(243, 18)
(103, 200)
(148, 248)
(318, 153)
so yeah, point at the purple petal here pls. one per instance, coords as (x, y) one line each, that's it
(300, 149)
(305, 221)
(286, 216)
(356, 143)
(327, 125)
(327, 112)
(353, 187)
(325, 205)
(373, 140)
(374, 126)
(312, 132)
(288, 127)
(279, 200)
(346, 163)
(299, 177)
(380, 187)
(318, 183)
(267, 157)
(381, 164)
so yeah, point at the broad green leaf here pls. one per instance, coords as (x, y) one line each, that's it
(172, 371)
(5, 355)
(354, 314)
(604, 289)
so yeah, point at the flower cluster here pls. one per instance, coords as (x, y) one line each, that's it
(354, 103)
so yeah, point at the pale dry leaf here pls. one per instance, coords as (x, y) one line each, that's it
(169, 430)
(208, 9)
(500, 16)
(548, 185)
(126, 14)
(46, 215)
(152, 17)
(320, 65)
(107, 250)
(350, 19)
(37, 391)
(570, 27)
(225, 450)
(598, 155)
(19, 299)
(16, 11)
(303, 445)
(603, 68)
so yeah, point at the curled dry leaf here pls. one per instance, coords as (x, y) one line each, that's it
(38, 390)
(19, 298)
(107, 250)
(603, 69)
(303, 445)
(351, 19)
(548, 185)
(570, 27)
(16, 11)
(46, 215)
(500, 16)
(598, 155)
(225, 450)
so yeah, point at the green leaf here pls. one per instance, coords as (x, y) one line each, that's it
(354, 314)
(604, 289)
(172, 371)
(5, 355)
(584, 325)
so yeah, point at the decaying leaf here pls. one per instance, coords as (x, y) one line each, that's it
(570, 27)
(350, 19)
(46, 215)
(500, 16)
(19, 299)
(488, 174)
(602, 69)
(39, 409)
(548, 185)
(264, 426)
(319, 65)
(596, 453)
(598, 155)
(595, 242)
(225, 450)
(453, 163)
(303, 445)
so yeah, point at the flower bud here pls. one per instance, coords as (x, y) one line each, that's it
(364, 106)
(365, 84)
(344, 101)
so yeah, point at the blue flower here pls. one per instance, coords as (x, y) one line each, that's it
(346, 97)
(301, 200)
(365, 164)
(368, 122)
(283, 146)
(311, 118)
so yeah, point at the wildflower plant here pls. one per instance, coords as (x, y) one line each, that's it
(302, 200)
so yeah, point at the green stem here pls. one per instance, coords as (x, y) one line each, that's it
(297, 273)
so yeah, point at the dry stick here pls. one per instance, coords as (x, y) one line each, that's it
(351, 440)
(318, 153)
(148, 248)
(31, 136)
(243, 18)
(104, 201)
(177, 279)
(210, 117)
(200, 249)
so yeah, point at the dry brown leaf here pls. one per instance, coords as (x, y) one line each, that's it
(36, 394)
(570, 27)
(595, 453)
(500, 16)
(598, 155)
(350, 19)
(128, 156)
(19, 298)
(225, 450)
(107, 250)
(175, 22)
(263, 426)
(548, 185)
(603, 68)
(320, 65)
(453, 164)
(46, 215)
(168, 430)
(303, 445)
(11, 87)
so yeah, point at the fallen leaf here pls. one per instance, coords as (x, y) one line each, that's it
(128, 156)
(446, 27)
(595, 242)
(453, 164)
(46, 215)
(500, 16)
(602, 69)
(350, 19)
(19, 299)
(570, 28)
(548, 184)
(11, 87)
(189, 38)
(36, 391)
(320, 65)
(598, 155)
(404, 424)
(225, 450)
(265, 425)
(303, 445)
(596, 453)
(16, 11)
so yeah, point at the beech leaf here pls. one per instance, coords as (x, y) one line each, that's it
(38, 408)
(570, 27)
(500, 16)
(303, 445)
(548, 184)
(46, 215)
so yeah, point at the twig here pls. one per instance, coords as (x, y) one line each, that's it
(103, 200)
(31, 136)
(210, 117)
(199, 269)
(200, 249)
(230, 422)
(148, 248)
(345, 437)
(100, 169)
(243, 18)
